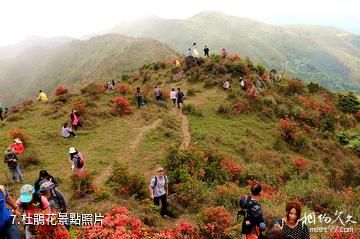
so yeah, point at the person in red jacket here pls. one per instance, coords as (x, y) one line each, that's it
(17, 146)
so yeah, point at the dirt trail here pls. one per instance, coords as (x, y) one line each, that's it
(127, 153)
(186, 135)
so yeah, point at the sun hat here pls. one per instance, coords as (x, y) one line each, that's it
(46, 185)
(72, 150)
(26, 193)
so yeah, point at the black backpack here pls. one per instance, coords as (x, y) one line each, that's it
(156, 180)
(250, 209)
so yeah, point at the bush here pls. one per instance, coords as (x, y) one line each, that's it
(227, 195)
(210, 82)
(29, 158)
(80, 107)
(127, 184)
(123, 88)
(240, 108)
(191, 194)
(224, 109)
(19, 133)
(121, 106)
(294, 86)
(213, 222)
(348, 103)
(61, 90)
(191, 92)
(191, 109)
(82, 185)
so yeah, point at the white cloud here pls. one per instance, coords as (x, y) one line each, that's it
(22, 18)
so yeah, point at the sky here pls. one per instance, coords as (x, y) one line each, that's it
(20, 19)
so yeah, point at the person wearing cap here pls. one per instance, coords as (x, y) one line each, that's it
(8, 229)
(44, 175)
(17, 146)
(77, 161)
(54, 196)
(32, 203)
(159, 189)
(12, 161)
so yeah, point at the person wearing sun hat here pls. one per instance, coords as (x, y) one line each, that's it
(76, 160)
(12, 161)
(54, 196)
(17, 146)
(32, 203)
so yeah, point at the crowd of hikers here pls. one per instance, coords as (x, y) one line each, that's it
(44, 197)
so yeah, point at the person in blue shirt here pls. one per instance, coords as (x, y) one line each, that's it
(8, 227)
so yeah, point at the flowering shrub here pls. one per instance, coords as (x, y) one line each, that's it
(231, 168)
(61, 90)
(288, 129)
(51, 231)
(240, 108)
(80, 107)
(121, 106)
(19, 133)
(82, 184)
(301, 164)
(213, 222)
(26, 103)
(123, 88)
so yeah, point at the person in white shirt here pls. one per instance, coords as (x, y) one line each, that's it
(159, 189)
(173, 96)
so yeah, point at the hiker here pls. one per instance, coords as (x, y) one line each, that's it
(173, 96)
(177, 63)
(44, 175)
(75, 119)
(77, 161)
(194, 49)
(13, 165)
(113, 83)
(6, 112)
(8, 229)
(67, 131)
(55, 197)
(158, 93)
(17, 146)
(224, 53)
(291, 225)
(32, 203)
(189, 52)
(242, 83)
(159, 189)
(180, 98)
(138, 96)
(1, 113)
(42, 96)
(226, 85)
(109, 86)
(254, 223)
(206, 51)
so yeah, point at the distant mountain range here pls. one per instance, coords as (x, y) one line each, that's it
(327, 55)
(99, 59)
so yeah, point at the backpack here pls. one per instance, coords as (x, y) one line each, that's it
(10, 160)
(79, 161)
(156, 180)
(251, 208)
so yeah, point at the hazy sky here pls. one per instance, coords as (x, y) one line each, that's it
(22, 18)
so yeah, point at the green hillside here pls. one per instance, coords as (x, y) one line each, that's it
(322, 54)
(99, 59)
(299, 141)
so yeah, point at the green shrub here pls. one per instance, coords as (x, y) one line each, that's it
(348, 103)
(191, 109)
(82, 184)
(224, 109)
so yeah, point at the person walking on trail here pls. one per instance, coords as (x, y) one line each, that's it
(77, 161)
(75, 119)
(8, 229)
(291, 225)
(253, 223)
(32, 203)
(42, 96)
(180, 98)
(159, 189)
(113, 83)
(67, 131)
(158, 93)
(55, 197)
(17, 146)
(224, 53)
(206, 51)
(139, 98)
(12, 161)
(44, 175)
(1, 113)
(173, 96)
